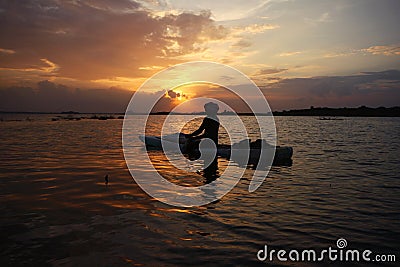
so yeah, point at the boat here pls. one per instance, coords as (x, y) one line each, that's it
(235, 152)
(330, 119)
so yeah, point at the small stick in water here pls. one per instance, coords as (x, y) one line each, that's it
(106, 179)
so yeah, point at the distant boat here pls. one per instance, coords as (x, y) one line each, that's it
(330, 119)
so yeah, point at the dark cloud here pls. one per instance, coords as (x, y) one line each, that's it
(367, 88)
(173, 94)
(51, 97)
(354, 84)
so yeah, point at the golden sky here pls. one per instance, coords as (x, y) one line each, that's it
(57, 55)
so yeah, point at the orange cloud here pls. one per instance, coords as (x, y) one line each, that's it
(386, 50)
(7, 51)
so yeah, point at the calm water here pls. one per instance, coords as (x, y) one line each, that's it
(56, 210)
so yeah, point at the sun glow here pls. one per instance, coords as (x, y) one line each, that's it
(177, 95)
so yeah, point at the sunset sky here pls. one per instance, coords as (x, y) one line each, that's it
(91, 55)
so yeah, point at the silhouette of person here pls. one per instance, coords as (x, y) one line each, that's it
(210, 126)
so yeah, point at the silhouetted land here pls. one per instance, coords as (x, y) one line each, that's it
(362, 111)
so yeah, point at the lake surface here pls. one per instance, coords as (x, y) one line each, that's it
(56, 209)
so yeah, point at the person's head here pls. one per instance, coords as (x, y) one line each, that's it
(211, 108)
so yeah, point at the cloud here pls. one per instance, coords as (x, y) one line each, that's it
(323, 18)
(159, 101)
(367, 88)
(118, 6)
(232, 10)
(253, 29)
(173, 94)
(386, 50)
(242, 44)
(49, 67)
(288, 54)
(50, 97)
(151, 68)
(340, 54)
(270, 71)
(7, 51)
(90, 40)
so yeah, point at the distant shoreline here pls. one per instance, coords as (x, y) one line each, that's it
(362, 111)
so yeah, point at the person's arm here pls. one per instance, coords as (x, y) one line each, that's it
(198, 131)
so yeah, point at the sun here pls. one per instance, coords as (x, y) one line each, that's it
(179, 95)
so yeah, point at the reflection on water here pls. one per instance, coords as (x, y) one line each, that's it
(57, 210)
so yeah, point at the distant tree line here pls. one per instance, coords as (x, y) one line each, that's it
(362, 111)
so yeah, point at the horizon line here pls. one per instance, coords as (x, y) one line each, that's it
(311, 108)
